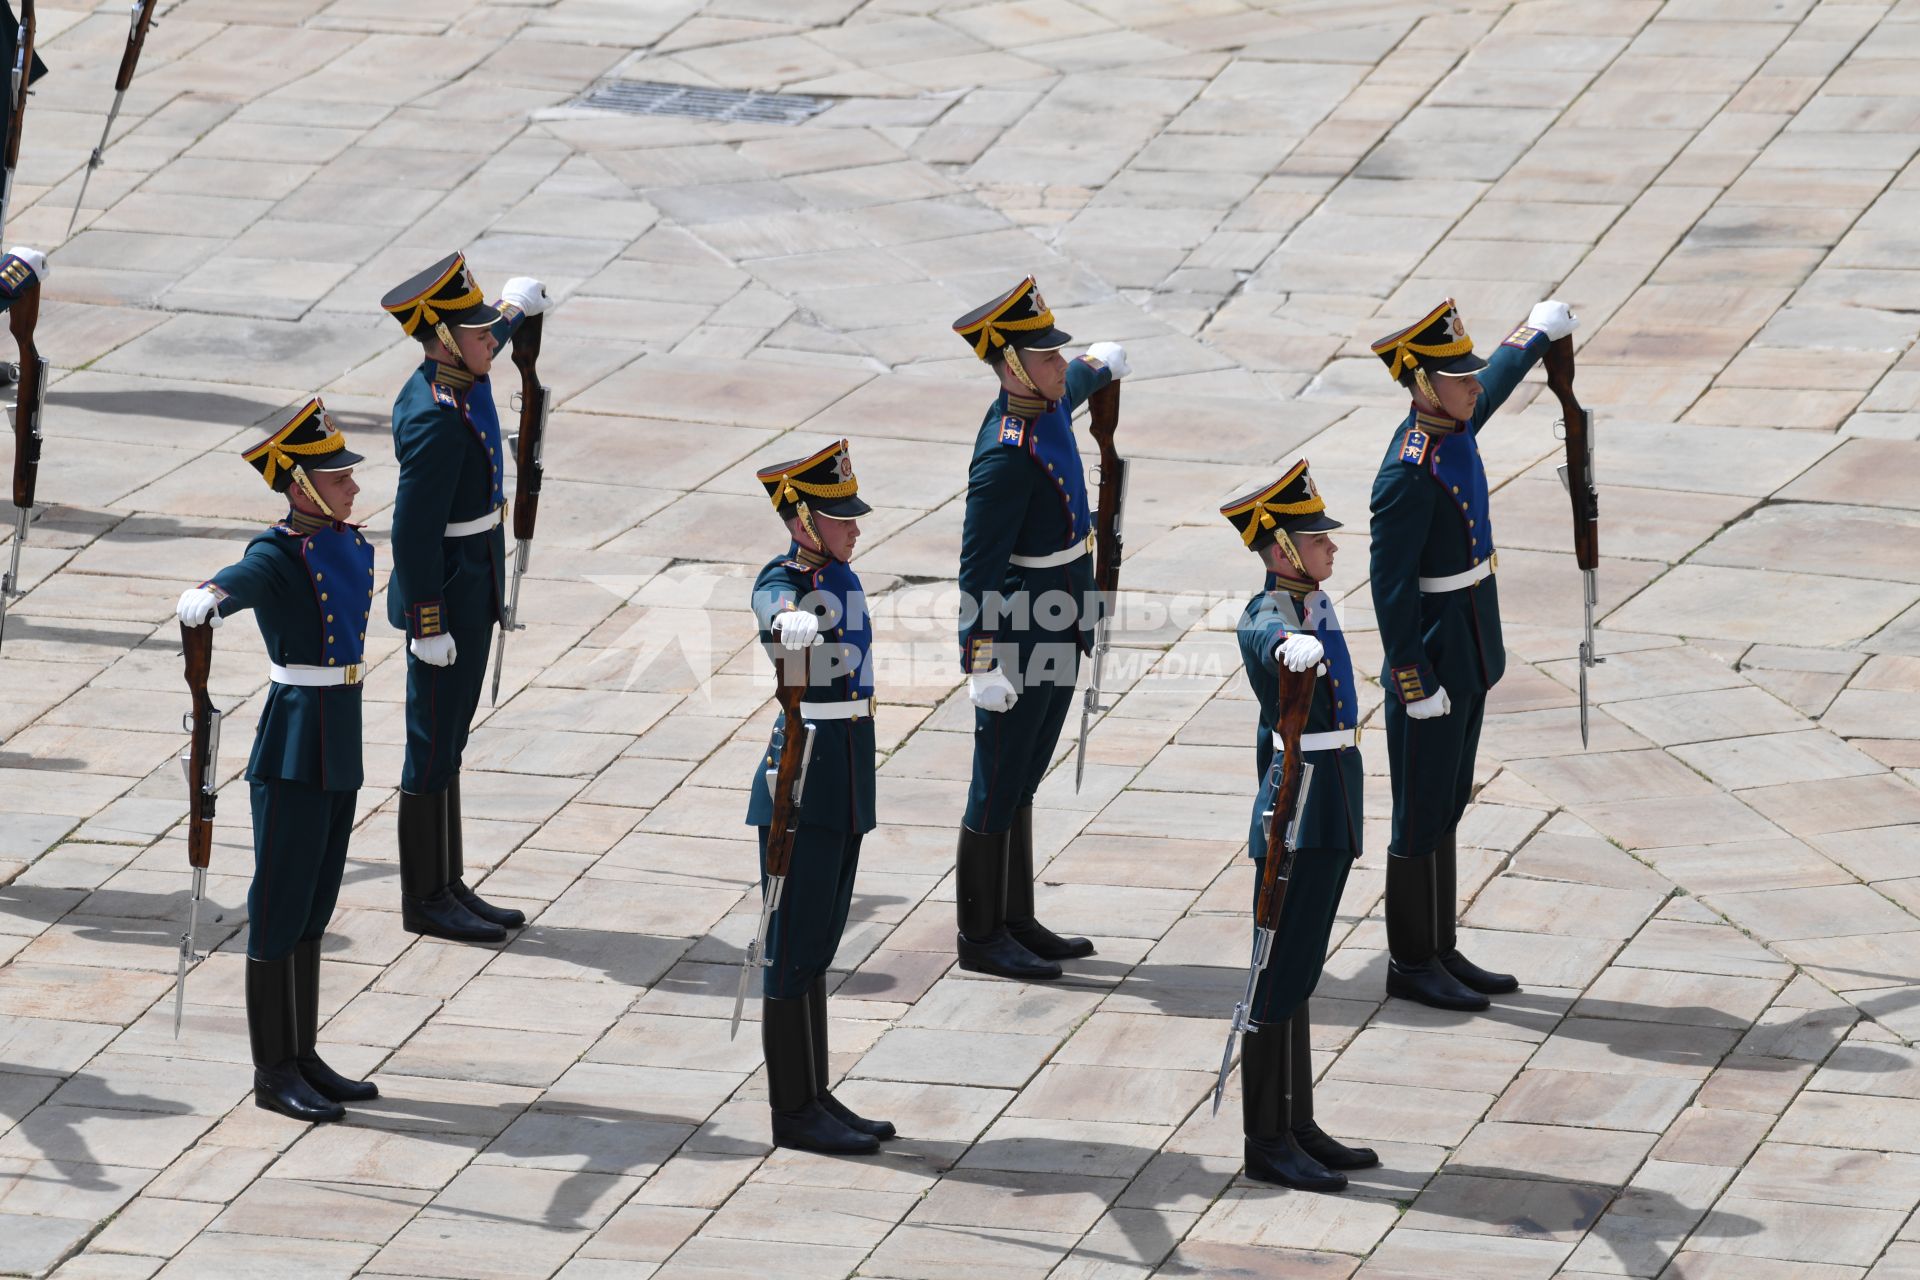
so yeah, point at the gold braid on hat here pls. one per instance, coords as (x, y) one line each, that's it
(280, 455)
(991, 331)
(1263, 513)
(423, 312)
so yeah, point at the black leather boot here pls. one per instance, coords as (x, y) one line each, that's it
(505, 917)
(980, 897)
(822, 1072)
(326, 1082)
(427, 906)
(1446, 894)
(1414, 971)
(799, 1121)
(1026, 930)
(1312, 1138)
(277, 1082)
(1272, 1153)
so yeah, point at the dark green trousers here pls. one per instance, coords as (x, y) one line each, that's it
(1432, 764)
(300, 836)
(1306, 924)
(813, 910)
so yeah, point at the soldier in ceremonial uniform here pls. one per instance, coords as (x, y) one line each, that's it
(1292, 623)
(309, 582)
(809, 599)
(1434, 594)
(449, 557)
(1027, 615)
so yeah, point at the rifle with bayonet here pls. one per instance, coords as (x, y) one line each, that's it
(1292, 776)
(201, 761)
(142, 18)
(1576, 474)
(21, 79)
(1103, 410)
(529, 445)
(30, 396)
(788, 783)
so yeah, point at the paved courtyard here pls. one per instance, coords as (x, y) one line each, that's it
(1716, 910)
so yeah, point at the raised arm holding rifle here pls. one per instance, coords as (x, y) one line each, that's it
(1306, 827)
(309, 581)
(812, 797)
(1576, 473)
(22, 271)
(529, 445)
(1103, 412)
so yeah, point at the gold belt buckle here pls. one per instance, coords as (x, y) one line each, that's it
(353, 673)
(1493, 563)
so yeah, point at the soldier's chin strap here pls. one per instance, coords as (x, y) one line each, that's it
(805, 513)
(1424, 386)
(299, 474)
(1019, 370)
(1288, 550)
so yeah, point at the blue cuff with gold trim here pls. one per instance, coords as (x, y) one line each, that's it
(979, 658)
(424, 620)
(1411, 684)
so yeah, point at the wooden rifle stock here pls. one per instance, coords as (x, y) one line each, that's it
(136, 41)
(533, 421)
(1103, 411)
(21, 319)
(196, 644)
(790, 668)
(1580, 486)
(1296, 701)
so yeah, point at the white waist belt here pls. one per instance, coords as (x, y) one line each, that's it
(314, 677)
(856, 709)
(1067, 556)
(1332, 740)
(467, 528)
(1455, 581)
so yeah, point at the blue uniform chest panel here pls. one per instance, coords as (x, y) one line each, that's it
(485, 421)
(838, 588)
(1455, 464)
(1321, 616)
(339, 565)
(1048, 439)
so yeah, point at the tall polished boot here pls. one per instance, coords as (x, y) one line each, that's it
(980, 898)
(822, 1073)
(799, 1121)
(1414, 971)
(427, 905)
(1312, 1138)
(1272, 1152)
(505, 917)
(277, 1082)
(1026, 930)
(326, 1082)
(1446, 892)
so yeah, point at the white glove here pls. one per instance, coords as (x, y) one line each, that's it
(1431, 707)
(527, 294)
(38, 261)
(1553, 319)
(1112, 355)
(435, 651)
(797, 629)
(992, 691)
(198, 607)
(1299, 652)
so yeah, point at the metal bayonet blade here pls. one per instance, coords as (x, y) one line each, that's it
(747, 966)
(1226, 1062)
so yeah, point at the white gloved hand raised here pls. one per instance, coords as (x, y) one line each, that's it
(1112, 355)
(199, 607)
(435, 651)
(527, 294)
(797, 629)
(1430, 708)
(1299, 652)
(992, 691)
(33, 258)
(1553, 319)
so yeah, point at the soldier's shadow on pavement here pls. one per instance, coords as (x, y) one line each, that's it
(587, 1142)
(169, 403)
(55, 1130)
(1641, 1226)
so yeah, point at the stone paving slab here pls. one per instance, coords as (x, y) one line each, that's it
(1710, 1073)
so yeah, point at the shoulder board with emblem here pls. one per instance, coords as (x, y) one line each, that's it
(1013, 430)
(1414, 448)
(1521, 337)
(444, 395)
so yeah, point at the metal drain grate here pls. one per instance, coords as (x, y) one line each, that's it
(649, 98)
